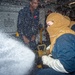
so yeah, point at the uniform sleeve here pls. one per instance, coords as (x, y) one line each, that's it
(36, 23)
(20, 22)
(65, 47)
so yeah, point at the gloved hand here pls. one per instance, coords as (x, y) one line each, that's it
(45, 59)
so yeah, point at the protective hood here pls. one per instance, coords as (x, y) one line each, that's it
(60, 22)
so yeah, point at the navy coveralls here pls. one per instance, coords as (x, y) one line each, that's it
(27, 24)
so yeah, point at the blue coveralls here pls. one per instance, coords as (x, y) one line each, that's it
(27, 24)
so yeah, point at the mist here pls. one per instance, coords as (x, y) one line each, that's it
(15, 58)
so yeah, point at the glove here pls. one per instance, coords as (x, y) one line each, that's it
(45, 59)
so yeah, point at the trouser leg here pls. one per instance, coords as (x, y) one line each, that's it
(50, 71)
